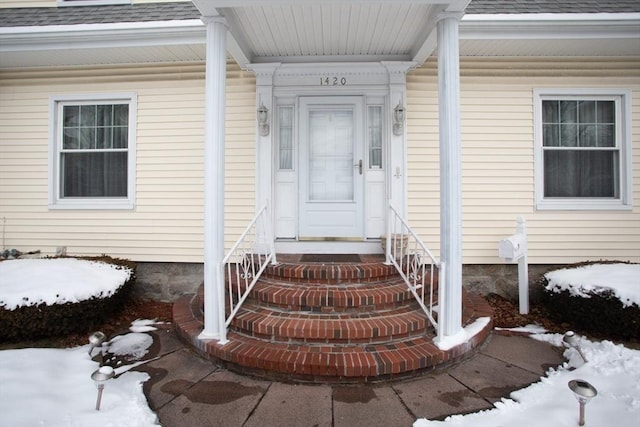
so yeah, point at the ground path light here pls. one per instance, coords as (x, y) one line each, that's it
(100, 376)
(584, 392)
(96, 339)
(572, 340)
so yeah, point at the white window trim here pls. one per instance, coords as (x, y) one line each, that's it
(623, 128)
(91, 2)
(55, 201)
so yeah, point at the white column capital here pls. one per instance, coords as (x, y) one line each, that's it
(214, 20)
(449, 15)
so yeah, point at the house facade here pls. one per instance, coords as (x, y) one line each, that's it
(154, 130)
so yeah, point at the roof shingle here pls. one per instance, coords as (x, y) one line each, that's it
(74, 15)
(552, 6)
(143, 12)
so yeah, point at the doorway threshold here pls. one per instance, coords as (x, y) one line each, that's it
(328, 247)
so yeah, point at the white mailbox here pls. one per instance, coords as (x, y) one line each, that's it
(513, 247)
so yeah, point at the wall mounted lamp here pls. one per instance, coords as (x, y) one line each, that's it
(398, 119)
(584, 392)
(263, 120)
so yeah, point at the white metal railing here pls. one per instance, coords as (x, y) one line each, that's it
(246, 261)
(421, 271)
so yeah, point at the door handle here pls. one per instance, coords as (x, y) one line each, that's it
(359, 166)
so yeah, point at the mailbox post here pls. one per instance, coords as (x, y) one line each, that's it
(514, 248)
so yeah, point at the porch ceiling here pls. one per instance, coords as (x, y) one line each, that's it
(330, 30)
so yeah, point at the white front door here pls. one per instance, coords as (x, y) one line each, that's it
(331, 180)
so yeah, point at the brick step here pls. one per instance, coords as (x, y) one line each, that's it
(331, 298)
(332, 362)
(381, 326)
(331, 273)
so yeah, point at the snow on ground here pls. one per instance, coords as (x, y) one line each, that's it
(612, 369)
(622, 279)
(53, 387)
(58, 381)
(25, 282)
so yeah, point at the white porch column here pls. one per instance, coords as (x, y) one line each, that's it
(216, 71)
(450, 170)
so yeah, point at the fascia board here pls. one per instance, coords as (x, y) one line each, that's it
(156, 33)
(551, 26)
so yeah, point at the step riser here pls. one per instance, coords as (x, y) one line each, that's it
(305, 329)
(331, 298)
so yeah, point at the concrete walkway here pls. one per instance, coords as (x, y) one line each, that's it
(186, 390)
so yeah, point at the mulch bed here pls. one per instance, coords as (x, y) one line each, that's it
(133, 309)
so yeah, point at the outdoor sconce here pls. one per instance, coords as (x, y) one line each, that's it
(263, 117)
(101, 376)
(398, 119)
(96, 339)
(584, 392)
(570, 339)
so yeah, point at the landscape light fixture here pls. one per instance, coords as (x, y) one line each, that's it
(101, 376)
(96, 339)
(584, 392)
(263, 118)
(571, 340)
(399, 115)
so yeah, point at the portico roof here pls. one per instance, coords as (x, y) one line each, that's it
(262, 31)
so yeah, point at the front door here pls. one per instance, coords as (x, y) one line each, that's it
(331, 180)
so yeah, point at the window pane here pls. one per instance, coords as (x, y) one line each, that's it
(606, 136)
(587, 111)
(120, 137)
(606, 112)
(285, 138)
(71, 139)
(550, 111)
(583, 174)
(71, 115)
(568, 112)
(87, 138)
(87, 115)
(95, 174)
(551, 137)
(105, 115)
(121, 115)
(375, 136)
(588, 136)
(104, 138)
(568, 135)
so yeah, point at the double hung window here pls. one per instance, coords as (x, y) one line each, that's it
(93, 152)
(583, 150)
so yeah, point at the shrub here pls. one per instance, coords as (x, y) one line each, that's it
(59, 320)
(600, 314)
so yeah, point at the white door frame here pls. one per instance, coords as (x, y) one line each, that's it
(280, 84)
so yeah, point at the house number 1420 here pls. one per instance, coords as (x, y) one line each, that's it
(333, 81)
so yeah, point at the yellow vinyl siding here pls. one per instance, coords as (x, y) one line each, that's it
(498, 160)
(167, 223)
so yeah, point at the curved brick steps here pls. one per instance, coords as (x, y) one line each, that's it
(352, 328)
(331, 298)
(328, 323)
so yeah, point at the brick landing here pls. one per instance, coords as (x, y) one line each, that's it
(329, 323)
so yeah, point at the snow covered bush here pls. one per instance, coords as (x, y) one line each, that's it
(79, 297)
(597, 298)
